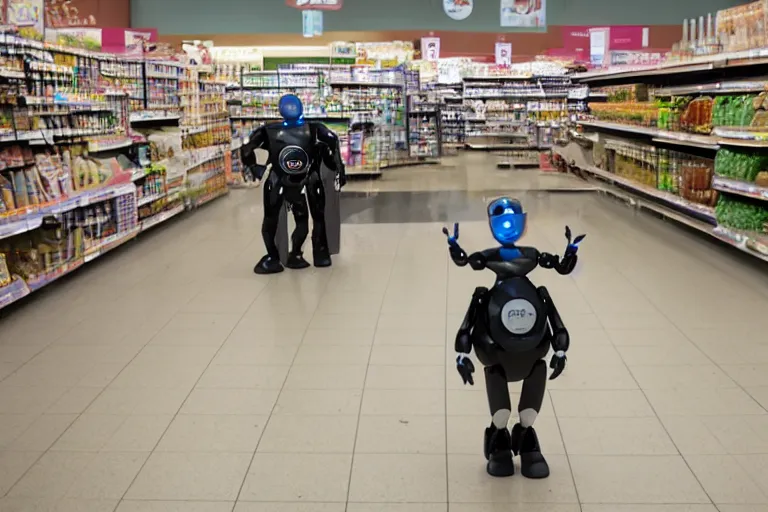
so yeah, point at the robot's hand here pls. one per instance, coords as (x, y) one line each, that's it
(573, 246)
(453, 241)
(557, 363)
(465, 368)
(254, 173)
(341, 180)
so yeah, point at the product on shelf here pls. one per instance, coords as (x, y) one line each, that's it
(736, 214)
(740, 165)
(63, 200)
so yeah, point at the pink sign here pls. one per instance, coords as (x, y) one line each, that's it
(620, 37)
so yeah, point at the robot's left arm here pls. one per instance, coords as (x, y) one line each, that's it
(560, 338)
(332, 152)
(567, 263)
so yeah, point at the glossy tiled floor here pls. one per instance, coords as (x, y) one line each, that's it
(168, 377)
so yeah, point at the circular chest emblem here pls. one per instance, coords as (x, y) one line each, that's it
(518, 316)
(294, 160)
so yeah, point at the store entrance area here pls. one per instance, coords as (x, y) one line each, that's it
(166, 376)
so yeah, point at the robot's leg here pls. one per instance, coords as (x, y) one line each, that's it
(524, 438)
(316, 195)
(301, 217)
(498, 444)
(273, 202)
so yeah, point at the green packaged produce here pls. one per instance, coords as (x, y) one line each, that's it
(735, 214)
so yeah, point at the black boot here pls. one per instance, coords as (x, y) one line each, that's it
(296, 261)
(526, 443)
(498, 451)
(268, 265)
(322, 259)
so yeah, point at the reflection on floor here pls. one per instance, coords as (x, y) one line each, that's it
(169, 377)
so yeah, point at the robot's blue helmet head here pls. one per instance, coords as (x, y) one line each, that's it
(507, 220)
(291, 108)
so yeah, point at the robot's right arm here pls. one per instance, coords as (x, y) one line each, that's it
(257, 140)
(459, 256)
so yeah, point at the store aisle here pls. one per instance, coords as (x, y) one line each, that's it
(169, 377)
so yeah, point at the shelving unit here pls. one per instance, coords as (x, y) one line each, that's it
(712, 110)
(77, 175)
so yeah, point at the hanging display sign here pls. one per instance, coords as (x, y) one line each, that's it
(384, 55)
(598, 45)
(430, 48)
(503, 54)
(134, 41)
(85, 38)
(458, 9)
(315, 5)
(523, 13)
(28, 16)
(312, 23)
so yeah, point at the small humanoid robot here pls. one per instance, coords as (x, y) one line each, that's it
(296, 150)
(511, 327)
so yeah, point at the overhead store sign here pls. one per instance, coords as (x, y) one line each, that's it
(458, 9)
(315, 5)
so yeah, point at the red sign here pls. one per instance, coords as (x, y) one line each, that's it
(315, 5)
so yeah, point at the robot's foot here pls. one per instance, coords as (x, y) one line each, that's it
(296, 261)
(322, 259)
(498, 451)
(526, 443)
(268, 265)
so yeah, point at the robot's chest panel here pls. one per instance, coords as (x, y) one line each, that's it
(516, 315)
(294, 160)
(519, 316)
(293, 149)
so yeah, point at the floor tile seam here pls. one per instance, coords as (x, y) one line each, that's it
(282, 388)
(365, 378)
(176, 414)
(549, 393)
(643, 391)
(678, 329)
(83, 411)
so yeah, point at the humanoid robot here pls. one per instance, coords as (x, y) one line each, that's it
(511, 327)
(297, 149)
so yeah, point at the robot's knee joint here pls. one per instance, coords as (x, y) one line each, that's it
(479, 292)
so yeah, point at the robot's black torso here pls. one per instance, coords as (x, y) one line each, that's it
(514, 318)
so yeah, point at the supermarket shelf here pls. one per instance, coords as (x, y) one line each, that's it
(701, 212)
(99, 148)
(713, 88)
(364, 84)
(667, 137)
(719, 62)
(499, 134)
(29, 219)
(669, 207)
(741, 188)
(151, 117)
(149, 199)
(482, 147)
(159, 218)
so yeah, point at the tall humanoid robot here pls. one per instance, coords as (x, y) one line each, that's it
(296, 151)
(511, 327)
